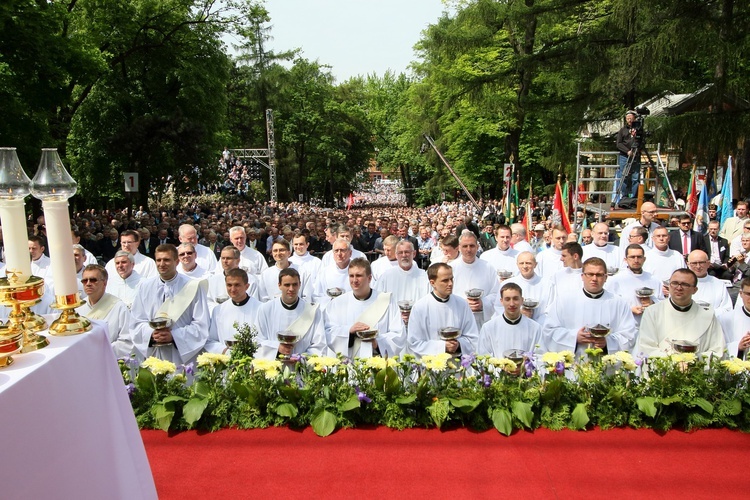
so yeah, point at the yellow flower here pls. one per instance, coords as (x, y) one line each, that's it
(269, 367)
(683, 357)
(378, 363)
(736, 365)
(504, 364)
(436, 362)
(158, 366)
(568, 357)
(320, 363)
(623, 357)
(211, 359)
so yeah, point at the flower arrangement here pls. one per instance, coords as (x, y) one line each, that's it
(555, 391)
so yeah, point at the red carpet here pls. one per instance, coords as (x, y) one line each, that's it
(417, 463)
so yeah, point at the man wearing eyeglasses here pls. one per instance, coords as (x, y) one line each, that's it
(711, 290)
(129, 241)
(680, 318)
(106, 307)
(571, 316)
(717, 249)
(188, 265)
(648, 212)
(686, 240)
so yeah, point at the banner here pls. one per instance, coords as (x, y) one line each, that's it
(725, 210)
(559, 216)
(701, 214)
(691, 204)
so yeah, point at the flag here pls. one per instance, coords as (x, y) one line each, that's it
(581, 194)
(725, 210)
(514, 202)
(350, 201)
(701, 214)
(566, 198)
(559, 216)
(584, 226)
(692, 196)
(527, 214)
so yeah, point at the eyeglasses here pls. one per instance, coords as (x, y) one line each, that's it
(185, 253)
(680, 284)
(89, 280)
(684, 222)
(595, 275)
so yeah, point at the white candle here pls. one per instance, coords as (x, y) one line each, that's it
(16, 237)
(57, 221)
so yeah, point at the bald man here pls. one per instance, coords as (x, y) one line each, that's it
(710, 290)
(648, 212)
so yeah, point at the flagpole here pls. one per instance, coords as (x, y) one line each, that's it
(453, 173)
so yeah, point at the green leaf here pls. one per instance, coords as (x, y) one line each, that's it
(502, 421)
(350, 404)
(193, 410)
(616, 396)
(734, 407)
(405, 400)
(704, 405)
(554, 390)
(523, 412)
(241, 390)
(465, 405)
(323, 422)
(163, 416)
(668, 401)
(145, 380)
(201, 388)
(287, 410)
(579, 418)
(647, 406)
(387, 380)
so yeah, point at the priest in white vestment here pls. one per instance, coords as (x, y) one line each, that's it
(711, 290)
(335, 275)
(548, 261)
(600, 247)
(441, 309)
(268, 282)
(533, 288)
(364, 309)
(519, 238)
(217, 285)
(405, 281)
(632, 277)
(662, 261)
(291, 315)
(680, 318)
(107, 308)
(203, 255)
(570, 316)
(180, 300)
(250, 259)
(502, 257)
(304, 260)
(124, 282)
(341, 232)
(40, 263)
(568, 279)
(239, 309)
(387, 260)
(129, 241)
(510, 329)
(736, 324)
(188, 265)
(470, 272)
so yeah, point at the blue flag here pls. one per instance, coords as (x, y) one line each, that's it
(726, 211)
(701, 213)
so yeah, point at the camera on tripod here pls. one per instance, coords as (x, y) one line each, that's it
(640, 132)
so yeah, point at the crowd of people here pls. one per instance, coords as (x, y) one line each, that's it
(446, 278)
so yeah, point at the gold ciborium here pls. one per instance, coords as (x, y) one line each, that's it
(69, 322)
(20, 296)
(10, 343)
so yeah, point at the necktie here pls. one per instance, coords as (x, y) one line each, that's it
(684, 244)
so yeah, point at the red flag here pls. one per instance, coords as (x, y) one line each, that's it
(692, 199)
(350, 201)
(559, 215)
(581, 194)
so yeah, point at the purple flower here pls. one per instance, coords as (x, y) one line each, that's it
(295, 358)
(559, 367)
(362, 396)
(486, 380)
(528, 366)
(467, 360)
(640, 359)
(130, 388)
(189, 369)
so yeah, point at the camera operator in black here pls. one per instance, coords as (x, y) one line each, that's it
(627, 145)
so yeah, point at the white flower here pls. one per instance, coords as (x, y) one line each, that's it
(158, 366)
(212, 358)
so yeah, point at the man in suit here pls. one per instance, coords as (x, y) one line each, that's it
(110, 244)
(163, 237)
(148, 243)
(717, 249)
(403, 234)
(686, 240)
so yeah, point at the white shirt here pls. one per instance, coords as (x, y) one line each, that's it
(429, 315)
(144, 266)
(502, 259)
(223, 319)
(124, 289)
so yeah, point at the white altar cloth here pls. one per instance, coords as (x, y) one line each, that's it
(67, 424)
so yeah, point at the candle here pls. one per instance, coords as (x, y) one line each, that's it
(60, 246)
(16, 238)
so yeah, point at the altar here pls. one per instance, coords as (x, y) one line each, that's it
(68, 427)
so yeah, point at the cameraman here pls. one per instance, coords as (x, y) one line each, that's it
(626, 139)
